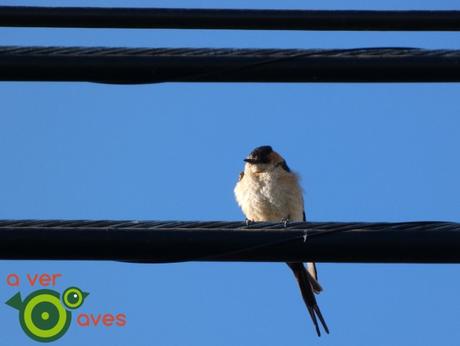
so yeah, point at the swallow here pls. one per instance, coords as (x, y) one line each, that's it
(267, 190)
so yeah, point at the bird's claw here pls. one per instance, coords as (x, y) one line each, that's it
(248, 222)
(285, 222)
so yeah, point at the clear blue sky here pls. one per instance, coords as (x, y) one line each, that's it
(366, 152)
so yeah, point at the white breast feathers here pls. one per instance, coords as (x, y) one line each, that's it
(270, 196)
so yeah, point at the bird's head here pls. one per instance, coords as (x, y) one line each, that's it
(264, 159)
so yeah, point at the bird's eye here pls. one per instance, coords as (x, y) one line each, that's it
(73, 297)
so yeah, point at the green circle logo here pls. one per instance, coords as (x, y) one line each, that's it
(43, 316)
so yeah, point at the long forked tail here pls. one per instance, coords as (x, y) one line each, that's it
(304, 279)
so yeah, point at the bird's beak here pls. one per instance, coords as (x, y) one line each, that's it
(85, 294)
(248, 160)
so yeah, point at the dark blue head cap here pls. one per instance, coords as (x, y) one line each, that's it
(260, 154)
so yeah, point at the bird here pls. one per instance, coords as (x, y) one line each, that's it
(267, 190)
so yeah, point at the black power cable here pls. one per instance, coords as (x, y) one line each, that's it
(179, 18)
(156, 65)
(172, 241)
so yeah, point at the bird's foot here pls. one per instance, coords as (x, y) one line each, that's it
(285, 221)
(248, 222)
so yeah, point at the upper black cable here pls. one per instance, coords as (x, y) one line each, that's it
(243, 19)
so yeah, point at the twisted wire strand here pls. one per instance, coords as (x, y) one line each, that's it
(229, 225)
(377, 52)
